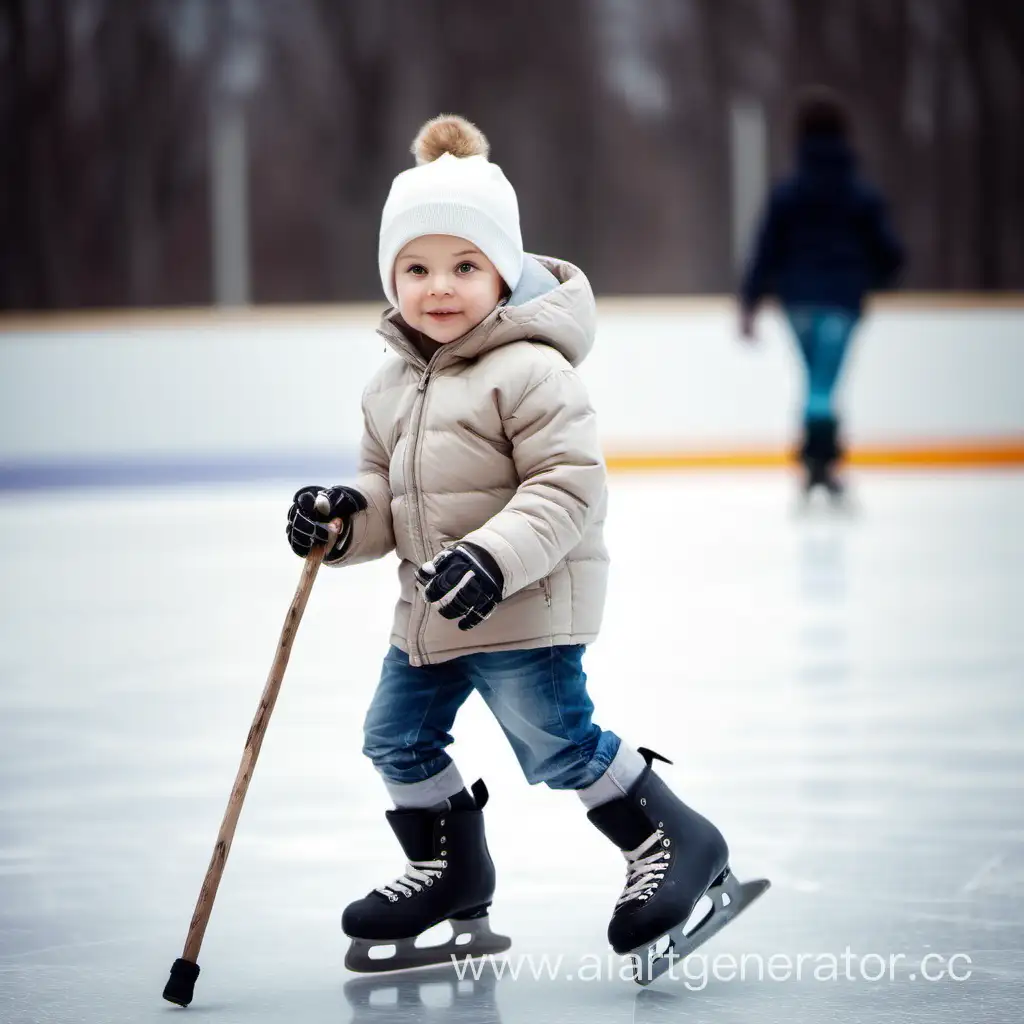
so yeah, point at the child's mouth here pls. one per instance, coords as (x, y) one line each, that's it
(442, 314)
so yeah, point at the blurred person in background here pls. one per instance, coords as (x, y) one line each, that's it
(825, 241)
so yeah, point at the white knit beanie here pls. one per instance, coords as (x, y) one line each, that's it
(453, 190)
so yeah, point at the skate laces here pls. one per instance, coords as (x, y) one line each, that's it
(644, 868)
(418, 873)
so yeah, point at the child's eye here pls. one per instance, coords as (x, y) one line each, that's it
(465, 268)
(416, 269)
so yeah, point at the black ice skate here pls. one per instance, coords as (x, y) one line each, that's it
(674, 857)
(449, 877)
(820, 452)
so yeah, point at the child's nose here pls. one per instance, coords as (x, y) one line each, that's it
(441, 284)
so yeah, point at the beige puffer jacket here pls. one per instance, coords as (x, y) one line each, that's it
(492, 441)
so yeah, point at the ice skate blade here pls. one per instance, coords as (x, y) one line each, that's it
(729, 898)
(407, 955)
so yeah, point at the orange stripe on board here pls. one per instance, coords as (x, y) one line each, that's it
(946, 456)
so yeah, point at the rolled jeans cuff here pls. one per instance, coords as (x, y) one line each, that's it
(426, 792)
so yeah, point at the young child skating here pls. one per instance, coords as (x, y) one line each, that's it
(481, 468)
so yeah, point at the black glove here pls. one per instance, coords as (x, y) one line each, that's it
(307, 523)
(465, 581)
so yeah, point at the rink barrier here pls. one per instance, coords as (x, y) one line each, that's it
(937, 383)
(142, 472)
(954, 455)
(205, 316)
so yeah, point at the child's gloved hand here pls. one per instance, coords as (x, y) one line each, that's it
(307, 518)
(464, 581)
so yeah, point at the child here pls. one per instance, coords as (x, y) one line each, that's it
(481, 467)
(825, 242)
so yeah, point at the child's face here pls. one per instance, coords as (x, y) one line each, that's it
(445, 286)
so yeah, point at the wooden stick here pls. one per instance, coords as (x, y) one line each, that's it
(185, 970)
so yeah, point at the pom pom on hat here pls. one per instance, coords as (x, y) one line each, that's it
(453, 190)
(449, 133)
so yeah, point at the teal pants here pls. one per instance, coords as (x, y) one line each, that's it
(823, 336)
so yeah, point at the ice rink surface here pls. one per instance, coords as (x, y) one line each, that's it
(842, 694)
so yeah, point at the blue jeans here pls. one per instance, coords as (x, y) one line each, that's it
(823, 334)
(539, 697)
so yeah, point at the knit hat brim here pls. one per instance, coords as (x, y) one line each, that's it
(460, 221)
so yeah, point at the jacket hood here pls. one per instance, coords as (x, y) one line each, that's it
(553, 303)
(826, 155)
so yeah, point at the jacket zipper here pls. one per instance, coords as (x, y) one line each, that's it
(417, 630)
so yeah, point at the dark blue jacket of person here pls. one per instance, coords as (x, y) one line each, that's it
(825, 239)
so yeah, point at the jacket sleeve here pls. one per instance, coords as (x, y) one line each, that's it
(759, 278)
(373, 534)
(555, 447)
(885, 252)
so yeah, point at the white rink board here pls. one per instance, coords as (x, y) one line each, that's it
(664, 377)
